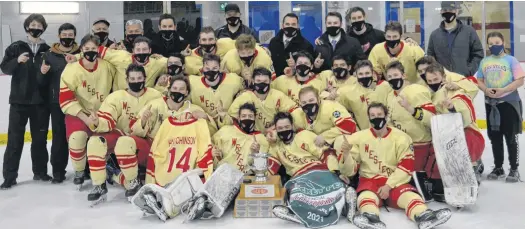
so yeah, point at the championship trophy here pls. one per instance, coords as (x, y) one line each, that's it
(259, 193)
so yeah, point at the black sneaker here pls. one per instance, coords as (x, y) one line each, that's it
(8, 184)
(58, 178)
(513, 177)
(42, 177)
(496, 174)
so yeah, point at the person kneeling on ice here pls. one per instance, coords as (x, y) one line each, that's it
(384, 158)
(315, 193)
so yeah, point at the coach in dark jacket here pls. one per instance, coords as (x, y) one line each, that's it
(49, 76)
(367, 35)
(288, 41)
(234, 27)
(455, 46)
(22, 60)
(335, 42)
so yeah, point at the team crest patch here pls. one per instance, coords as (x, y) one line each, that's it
(336, 114)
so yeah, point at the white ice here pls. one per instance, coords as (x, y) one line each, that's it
(34, 204)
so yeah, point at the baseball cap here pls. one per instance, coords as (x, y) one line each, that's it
(101, 20)
(232, 7)
(450, 5)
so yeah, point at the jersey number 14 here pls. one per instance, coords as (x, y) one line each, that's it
(183, 162)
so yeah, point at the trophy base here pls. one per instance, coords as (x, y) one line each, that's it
(256, 199)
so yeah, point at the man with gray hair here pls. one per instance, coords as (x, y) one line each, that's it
(100, 28)
(134, 29)
(454, 45)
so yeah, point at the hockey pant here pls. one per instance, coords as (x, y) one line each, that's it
(404, 196)
(131, 151)
(98, 148)
(169, 200)
(77, 134)
(216, 195)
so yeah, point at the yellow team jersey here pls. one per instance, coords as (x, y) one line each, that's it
(160, 111)
(407, 55)
(275, 102)
(356, 98)
(208, 98)
(119, 111)
(121, 59)
(332, 120)
(333, 82)
(178, 147)
(299, 155)
(418, 97)
(390, 156)
(232, 63)
(290, 86)
(235, 146)
(85, 90)
(463, 104)
(193, 62)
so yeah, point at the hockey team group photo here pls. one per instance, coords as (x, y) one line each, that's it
(204, 114)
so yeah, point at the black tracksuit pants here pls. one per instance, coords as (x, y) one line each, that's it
(507, 132)
(59, 146)
(38, 117)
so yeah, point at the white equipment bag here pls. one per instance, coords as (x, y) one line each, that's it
(453, 160)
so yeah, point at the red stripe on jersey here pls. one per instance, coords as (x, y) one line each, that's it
(111, 122)
(102, 51)
(470, 106)
(206, 159)
(472, 78)
(273, 165)
(406, 165)
(346, 125)
(429, 107)
(66, 96)
(132, 122)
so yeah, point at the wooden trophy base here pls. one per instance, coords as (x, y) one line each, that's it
(256, 199)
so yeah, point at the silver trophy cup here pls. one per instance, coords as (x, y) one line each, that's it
(260, 166)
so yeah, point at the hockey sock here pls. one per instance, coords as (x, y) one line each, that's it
(368, 201)
(412, 203)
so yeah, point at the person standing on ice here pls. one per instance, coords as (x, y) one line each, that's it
(499, 76)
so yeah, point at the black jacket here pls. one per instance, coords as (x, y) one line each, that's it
(24, 85)
(281, 54)
(369, 39)
(347, 46)
(459, 51)
(160, 46)
(223, 32)
(51, 80)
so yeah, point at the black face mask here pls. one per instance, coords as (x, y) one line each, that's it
(142, 57)
(333, 30)
(261, 88)
(177, 96)
(35, 33)
(233, 21)
(340, 73)
(90, 56)
(378, 123)
(290, 31)
(102, 35)
(211, 75)
(285, 135)
(358, 25)
(131, 37)
(424, 77)
(365, 81)
(311, 109)
(396, 84)
(208, 48)
(392, 43)
(247, 125)
(302, 70)
(67, 42)
(449, 17)
(174, 70)
(247, 59)
(137, 86)
(435, 87)
(167, 35)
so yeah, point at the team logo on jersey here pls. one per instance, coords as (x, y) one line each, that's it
(336, 114)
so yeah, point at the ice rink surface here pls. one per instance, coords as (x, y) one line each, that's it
(33, 204)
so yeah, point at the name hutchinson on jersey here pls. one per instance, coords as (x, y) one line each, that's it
(182, 141)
